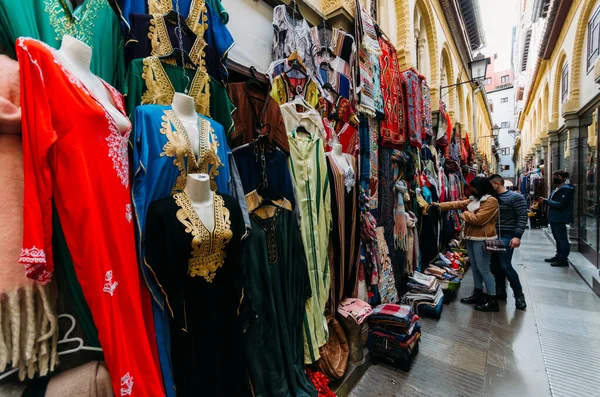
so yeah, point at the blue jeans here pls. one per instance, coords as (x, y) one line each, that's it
(559, 231)
(480, 264)
(503, 269)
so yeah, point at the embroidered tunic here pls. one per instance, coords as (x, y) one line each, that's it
(311, 183)
(151, 81)
(93, 22)
(84, 149)
(277, 284)
(200, 274)
(292, 35)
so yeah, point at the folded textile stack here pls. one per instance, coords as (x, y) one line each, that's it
(448, 278)
(424, 295)
(394, 334)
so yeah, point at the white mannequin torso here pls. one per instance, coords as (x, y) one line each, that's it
(76, 57)
(185, 109)
(340, 157)
(197, 188)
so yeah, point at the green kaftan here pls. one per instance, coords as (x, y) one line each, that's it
(94, 23)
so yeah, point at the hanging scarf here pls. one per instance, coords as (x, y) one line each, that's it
(400, 231)
(411, 223)
(368, 238)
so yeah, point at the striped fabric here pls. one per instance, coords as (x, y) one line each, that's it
(309, 175)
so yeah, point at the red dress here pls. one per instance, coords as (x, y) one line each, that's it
(74, 153)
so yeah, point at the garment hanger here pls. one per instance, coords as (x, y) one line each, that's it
(183, 54)
(253, 81)
(65, 339)
(325, 48)
(300, 101)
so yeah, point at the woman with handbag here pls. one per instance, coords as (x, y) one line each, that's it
(480, 216)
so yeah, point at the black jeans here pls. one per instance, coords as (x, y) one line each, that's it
(502, 268)
(559, 231)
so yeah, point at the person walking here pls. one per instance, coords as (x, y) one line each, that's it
(481, 213)
(560, 212)
(511, 226)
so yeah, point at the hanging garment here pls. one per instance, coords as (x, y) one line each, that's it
(277, 285)
(284, 89)
(365, 152)
(310, 120)
(378, 99)
(392, 126)
(248, 159)
(341, 125)
(337, 67)
(374, 154)
(152, 82)
(427, 118)
(93, 23)
(368, 50)
(291, 35)
(84, 148)
(309, 174)
(344, 234)
(192, 10)
(413, 97)
(208, 42)
(27, 337)
(200, 275)
(256, 114)
(162, 157)
(386, 282)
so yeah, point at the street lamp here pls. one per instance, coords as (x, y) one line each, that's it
(478, 68)
(495, 130)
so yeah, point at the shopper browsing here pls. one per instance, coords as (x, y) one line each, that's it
(511, 226)
(480, 215)
(560, 212)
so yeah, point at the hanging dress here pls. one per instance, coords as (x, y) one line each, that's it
(345, 230)
(199, 271)
(308, 168)
(80, 159)
(291, 35)
(278, 286)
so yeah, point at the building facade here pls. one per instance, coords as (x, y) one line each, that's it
(501, 96)
(559, 105)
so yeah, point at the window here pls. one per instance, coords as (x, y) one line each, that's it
(504, 100)
(504, 124)
(488, 81)
(504, 79)
(593, 41)
(506, 168)
(564, 83)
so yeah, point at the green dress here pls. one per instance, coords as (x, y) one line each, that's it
(277, 285)
(93, 22)
(152, 81)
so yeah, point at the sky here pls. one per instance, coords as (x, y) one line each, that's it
(498, 18)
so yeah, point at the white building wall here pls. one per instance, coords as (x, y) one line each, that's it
(504, 112)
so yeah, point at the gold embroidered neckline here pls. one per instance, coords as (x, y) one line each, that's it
(79, 25)
(179, 146)
(160, 90)
(161, 44)
(208, 248)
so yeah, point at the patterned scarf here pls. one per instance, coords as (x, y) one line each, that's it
(413, 94)
(426, 116)
(366, 37)
(400, 230)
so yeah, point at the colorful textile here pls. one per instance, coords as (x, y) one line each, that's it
(427, 118)
(365, 152)
(413, 97)
(292, 35)
(374, 153)
(366, 37)
(355, 308)
(285, 88)
(387, 283)
(341, 125)
(89, 152)
(392, 126)
(400, 221)
(366, 89)
(377, 91)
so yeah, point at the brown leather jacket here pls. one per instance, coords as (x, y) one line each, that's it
(479, 225)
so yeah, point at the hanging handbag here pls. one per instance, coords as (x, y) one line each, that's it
(496, 245)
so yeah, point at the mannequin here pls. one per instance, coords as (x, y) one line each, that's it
(76, 57)
(197, 188)
(340, 158)
(184, 108)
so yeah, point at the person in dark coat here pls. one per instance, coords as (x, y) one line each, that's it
(560, 212)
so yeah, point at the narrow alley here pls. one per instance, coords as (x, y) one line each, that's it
(551, 349)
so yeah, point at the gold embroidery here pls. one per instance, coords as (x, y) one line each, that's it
(208, 249)
(160, 91)
(63, 22)
(159, 37)
(180, 148)
(197, 18)
(159, 6)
